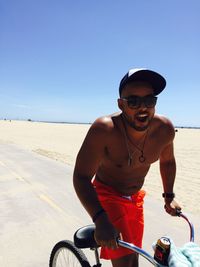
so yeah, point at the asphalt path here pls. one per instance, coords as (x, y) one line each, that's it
(38, 207)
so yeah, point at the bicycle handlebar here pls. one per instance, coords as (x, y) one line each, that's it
(180, 214)
(147, 255)
(140, 251)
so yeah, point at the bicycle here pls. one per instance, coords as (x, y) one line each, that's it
(69, 254)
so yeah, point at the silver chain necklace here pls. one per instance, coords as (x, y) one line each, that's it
(131, 153)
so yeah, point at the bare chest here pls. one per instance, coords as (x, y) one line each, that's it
(128, 157)
(125, 172)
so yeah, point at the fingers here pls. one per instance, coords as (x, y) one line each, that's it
(120, 236)
(173, 211)
(111, 244)
(170, 211)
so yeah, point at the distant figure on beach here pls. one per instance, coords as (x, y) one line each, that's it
(114, 160)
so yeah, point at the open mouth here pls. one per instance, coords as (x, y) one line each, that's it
(142, 117)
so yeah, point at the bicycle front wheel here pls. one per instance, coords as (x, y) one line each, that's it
(66, 254)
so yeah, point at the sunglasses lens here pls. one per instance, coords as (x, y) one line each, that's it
(150, 101)
(134, 102)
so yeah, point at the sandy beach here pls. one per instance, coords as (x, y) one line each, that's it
(61, 142)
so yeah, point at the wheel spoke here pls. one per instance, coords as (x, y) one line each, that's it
(65, 254)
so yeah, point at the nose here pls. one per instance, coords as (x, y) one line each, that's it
(142, 106)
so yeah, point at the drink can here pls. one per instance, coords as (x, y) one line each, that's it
(164, 242)
(162, 250)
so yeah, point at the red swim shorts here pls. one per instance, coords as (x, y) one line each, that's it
(126, 214)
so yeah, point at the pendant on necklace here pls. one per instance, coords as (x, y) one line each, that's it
(142, 158)
(129, 160)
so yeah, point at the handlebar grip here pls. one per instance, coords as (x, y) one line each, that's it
(178, 212)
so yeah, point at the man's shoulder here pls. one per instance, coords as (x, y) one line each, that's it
(164, 124)
(103, 128)
(105, 123)
(163, 120)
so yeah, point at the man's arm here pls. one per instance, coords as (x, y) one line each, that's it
(168, 168)
(87, 163)
(88, 160)
(168, 174)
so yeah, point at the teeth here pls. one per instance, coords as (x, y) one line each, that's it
(142, 115)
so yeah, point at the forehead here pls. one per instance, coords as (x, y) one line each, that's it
(139, 88)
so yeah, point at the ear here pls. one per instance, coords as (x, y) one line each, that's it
(120, 104)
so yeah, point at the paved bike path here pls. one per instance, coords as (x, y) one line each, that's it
(39, 207)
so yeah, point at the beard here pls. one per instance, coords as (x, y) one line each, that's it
(132, 122)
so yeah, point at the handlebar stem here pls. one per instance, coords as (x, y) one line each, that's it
(190, 225)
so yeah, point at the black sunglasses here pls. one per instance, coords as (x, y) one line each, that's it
(134, 101)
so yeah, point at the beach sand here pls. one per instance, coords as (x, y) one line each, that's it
(61, 142)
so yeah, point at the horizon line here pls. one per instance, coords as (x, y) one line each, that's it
(75, 122)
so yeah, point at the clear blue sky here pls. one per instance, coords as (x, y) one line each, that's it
(63, 60)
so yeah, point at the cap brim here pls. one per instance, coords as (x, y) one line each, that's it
(157, 81)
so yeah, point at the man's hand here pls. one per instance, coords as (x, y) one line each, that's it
(171, 207)
(105, 234)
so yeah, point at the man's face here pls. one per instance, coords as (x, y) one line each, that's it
(138, 105)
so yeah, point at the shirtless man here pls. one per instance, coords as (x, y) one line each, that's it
(117, 152)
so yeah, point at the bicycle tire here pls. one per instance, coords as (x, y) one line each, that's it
(66, 254)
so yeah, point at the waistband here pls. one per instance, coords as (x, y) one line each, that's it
(104, 189)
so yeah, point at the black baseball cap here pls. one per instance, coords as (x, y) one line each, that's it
(157, 81)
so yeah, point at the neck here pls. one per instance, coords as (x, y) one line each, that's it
(136, 137)
(131, 131)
